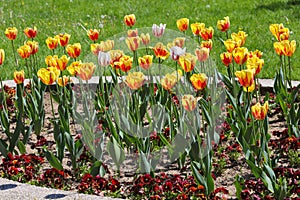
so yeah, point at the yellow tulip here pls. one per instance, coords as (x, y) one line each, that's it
(182, 24)
(260, 112)
(197, 28)
(63, 81)
(187, 61)
(246, 77)
(19, 76)
(135, 80)
(93, 34)
(255, 63)
(63, 39)
(30, 32)
(48, 75)
(145, 62)
(74, 68)
(240, 55)
(24, 51)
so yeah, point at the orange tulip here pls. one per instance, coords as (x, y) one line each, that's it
(132, 33)
(197, 28)
(124, 64)
(129, 20)
(24, 51)
(86, 71)
(260, 112)
(145, 38)
(199, 81)
(226, 58)
(230, 45)
(207, 33)
(145, 62)
(189, 102)
(135, 80)
(183, 24)
(279, 31)
(160, 51)
(52, 43)
(74, 68)
(63, 81)
(187, 61)
(239, 37)
(208, 44)
(93, 34)
(246, 77)
(223, 25)
(34, 46)
(288, 47)
(11, 33)
(133, 43)
(19, 77)
(73, 50)
(63, 39)
(255, 63)
(202, 54)
(48, 75)
(30, 32)
(2, 56)
(240, 55)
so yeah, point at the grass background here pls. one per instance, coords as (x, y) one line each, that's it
(73, 16)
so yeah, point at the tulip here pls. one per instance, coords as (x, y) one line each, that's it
(278, 48)
(30, 32)
(246, 77)
(63, 81)
(160, 51)
(50, 61)
(199, 81)
(129, 20)
(145, 62)
(145, 38)
(207, 33)
(62, 62)
(183, 24)
(103, 59)
(179, 42)
(176, 52)
(239, 37)
(223, 25)
(93, 34)
(124, 64)
(202, 54)
(86, 71)
(260, 112)
(240, 55)
(24, 51)
(279, 31)
(288, 47)
(187, 61)
(189, 102)
(197, 28)
(255, 53)
(34, 46)
(208, 44)
(168, 81)
(135, 80)
(2, 56)
(158, 31)
(52, 42)
(230, 45)
(255, 63)
(73, 50)
(63, 39)
(19, 77)
(74, 68)
(11, 33)
(133, 43)
(226, 58)
(251, 88)
(132, 33)
(115, 56)
(48, 75)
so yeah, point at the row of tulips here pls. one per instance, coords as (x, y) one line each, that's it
(124, 115)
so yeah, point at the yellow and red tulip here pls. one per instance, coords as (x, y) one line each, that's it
(202, 54)
(2, 56)
(288, 47)
(34, 46)
(124, 64)
(208, 44)
(30, 32)
(207, 33)
(63, 39)
(11, 33)
(145, 62)
(133, 43)
(178, 42)
(169, 80)
(199, 81)
(63, 81)
(135, 80)
(279, 31)
(255, 63)
(226, 58)
(239, 37)
(259, 112)
(182, 24)
(145, 38)
(24, 51)
(187, 61)
(240, 55)
(160, 51)
(132, 33)
(197, 28)
(189, 102)
(73, 50)
(52, 42)
(48, 75)
(230, 45)
(255, 53)
(129, 20)
(93, 34)
(86, 71)
(74, 68)
(246, 77)
(115, 56)
(223, 25)
(19, 77)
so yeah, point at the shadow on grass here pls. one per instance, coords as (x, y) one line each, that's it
(279, 5)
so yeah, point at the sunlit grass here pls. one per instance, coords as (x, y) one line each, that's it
(74, 16)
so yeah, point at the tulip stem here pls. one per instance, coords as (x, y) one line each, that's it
(13, 47)
(2, 90)
(290, 70)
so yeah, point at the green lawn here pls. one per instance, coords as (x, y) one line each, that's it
(72, 16)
